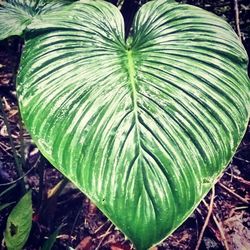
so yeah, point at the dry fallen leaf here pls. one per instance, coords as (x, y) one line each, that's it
(85, 244)
(237, 234)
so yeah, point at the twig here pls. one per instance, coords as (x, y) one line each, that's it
(18, 179)
(41, 180)
(21, 177)
(240, 179)
(207, 218)
(220, 227)
(74, 224)
(18, 165)
(6, 122)
(209, 225)
(5, 149)
(7, 190)
(233, 193)
(241, 159)
(222, 233)
(103, 236)
(237, 18)
(21, 139)
(100, 227)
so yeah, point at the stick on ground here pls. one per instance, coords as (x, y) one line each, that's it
(207, 218)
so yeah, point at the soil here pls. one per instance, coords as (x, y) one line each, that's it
(82, 225)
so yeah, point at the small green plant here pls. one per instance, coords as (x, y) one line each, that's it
(143, 125)
(51, 240)
(19, 224)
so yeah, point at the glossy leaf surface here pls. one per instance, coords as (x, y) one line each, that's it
(19, 224)
(144, 126)
(16, 15)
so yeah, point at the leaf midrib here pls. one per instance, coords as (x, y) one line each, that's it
(132, 80)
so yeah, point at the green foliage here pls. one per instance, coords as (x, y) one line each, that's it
(19, 223)
(142, 126)
(16, 15)
(51, 240)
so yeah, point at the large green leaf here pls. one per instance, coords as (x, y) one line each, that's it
(144, 126)
(16, 15)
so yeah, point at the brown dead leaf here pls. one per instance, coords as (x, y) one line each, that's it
(119, 246)
(237, 234)
(85, 244)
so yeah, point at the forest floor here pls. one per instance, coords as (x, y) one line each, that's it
(82, 225)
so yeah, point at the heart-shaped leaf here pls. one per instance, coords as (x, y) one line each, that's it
(142, 126)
